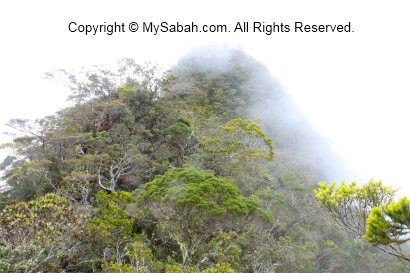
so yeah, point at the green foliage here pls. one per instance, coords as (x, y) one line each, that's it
(111, 219)
(389, 224)
(350, 205)
(39, 234)
(369, 212)
(191, 206)
(178, 128)
(40, 219)
(226, 247)
(192, 187)
(181, 141)
(21, 258)
(237, 126)
(172, 172)
(218, 268)
(29, 179)
(140, 259)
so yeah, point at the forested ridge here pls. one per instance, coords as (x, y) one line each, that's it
(207, 167)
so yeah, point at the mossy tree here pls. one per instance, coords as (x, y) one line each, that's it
(191, 206)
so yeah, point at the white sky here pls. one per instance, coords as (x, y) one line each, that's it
(353, 87)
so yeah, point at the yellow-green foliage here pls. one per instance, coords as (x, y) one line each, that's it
(368, 211)
(253, 131)
(41, 219)
(218, 268)
(138, 129)
(350, 204)
(139, 259)
(111, 219)
(389, 223)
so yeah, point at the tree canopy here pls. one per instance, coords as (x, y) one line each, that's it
(368, 211)
(207, 167)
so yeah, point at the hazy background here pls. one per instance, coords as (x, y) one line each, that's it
(352, 87)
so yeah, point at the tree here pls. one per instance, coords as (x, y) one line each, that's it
(112, 228)
(350, 205)
(173, 172)
(191, 205)
(364, 211)
(182, 141)
(40, 234)
(389, 225)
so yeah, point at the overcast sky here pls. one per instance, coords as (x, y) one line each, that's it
(352, 87)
